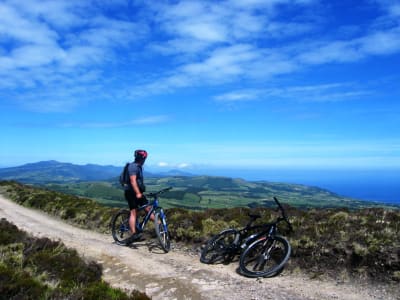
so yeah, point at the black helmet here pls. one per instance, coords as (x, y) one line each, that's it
(140, 155)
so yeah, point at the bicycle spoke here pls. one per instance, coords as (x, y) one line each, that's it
(162, 230)
(220, 248)
(120, 226)
(265, 257)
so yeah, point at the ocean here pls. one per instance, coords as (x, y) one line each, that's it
(369, 185)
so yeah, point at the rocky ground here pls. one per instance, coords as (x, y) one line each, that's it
(179, 273)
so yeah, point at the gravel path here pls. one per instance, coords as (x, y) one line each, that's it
(177, 274)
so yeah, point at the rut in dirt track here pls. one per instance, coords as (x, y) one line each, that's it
(175, 275)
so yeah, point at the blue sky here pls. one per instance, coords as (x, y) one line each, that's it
(224, 84)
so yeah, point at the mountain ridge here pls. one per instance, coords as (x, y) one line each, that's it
(55, 171)
(190, 191)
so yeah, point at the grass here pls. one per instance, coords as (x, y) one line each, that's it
(38, 268)
(339, 243)
(204, 192)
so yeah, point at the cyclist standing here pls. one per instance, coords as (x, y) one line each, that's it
(134, 191)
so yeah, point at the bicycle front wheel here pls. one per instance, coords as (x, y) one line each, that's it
(220, 247)
(120, 229)
(160, 222)
(265, 257)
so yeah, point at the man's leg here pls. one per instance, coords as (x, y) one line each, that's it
(132, 221)
(152, 217)
(130, 197)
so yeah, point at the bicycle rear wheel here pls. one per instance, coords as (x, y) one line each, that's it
(265, 257)
(220, 247)
(160, 222)
(120, 229)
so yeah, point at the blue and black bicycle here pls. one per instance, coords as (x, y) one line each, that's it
(121, 231)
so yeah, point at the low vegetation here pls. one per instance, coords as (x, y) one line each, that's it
(204, 192)
(335, 243)
(343, 244)
(82, 212)
(38, 268)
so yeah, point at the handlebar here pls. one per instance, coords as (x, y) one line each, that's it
(159, 192)
(284, 216)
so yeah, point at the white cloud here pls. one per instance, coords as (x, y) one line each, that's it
(395, 9)
(238, 96)
(173, 165)
(335, 153)
(149, 120)
(20, 29)
(213, 24)
(152, 120)
(381, 43)
(374, 43)
(46, 47)
(183, 165)
(330, 92)
(230, 57)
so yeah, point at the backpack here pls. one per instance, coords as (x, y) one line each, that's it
(124, 179)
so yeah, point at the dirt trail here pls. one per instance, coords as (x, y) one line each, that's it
(177, 274)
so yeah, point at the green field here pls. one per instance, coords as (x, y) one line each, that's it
(203, 192)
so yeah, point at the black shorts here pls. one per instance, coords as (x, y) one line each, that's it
(133, 202)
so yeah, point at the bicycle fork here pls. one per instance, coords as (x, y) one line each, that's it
(265, 253)
(163, 219)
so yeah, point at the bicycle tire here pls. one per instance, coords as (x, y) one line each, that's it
(217, 249)
(120, 229)
(265, 257)
(160, 222)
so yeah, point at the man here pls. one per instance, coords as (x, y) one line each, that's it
(134, 192)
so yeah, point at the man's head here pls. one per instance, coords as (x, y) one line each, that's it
(140, 156)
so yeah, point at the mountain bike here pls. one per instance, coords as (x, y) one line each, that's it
(267, 255)
(121, 231)
(224, 246)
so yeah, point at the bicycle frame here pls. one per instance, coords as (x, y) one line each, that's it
(242, 238)
(273, 227)
(141, 224)
(269, 252)
(267, 230)
(245, 239)
(154, 204)
(120, 228)
(228, 243)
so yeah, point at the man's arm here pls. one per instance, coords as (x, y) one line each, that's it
(135, 186)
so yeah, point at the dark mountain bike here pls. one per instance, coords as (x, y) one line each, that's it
(121, 231)
(223, 247)
(267, 255)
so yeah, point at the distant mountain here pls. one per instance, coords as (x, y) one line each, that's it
(54, 171)
(175, 172)
(190, 191)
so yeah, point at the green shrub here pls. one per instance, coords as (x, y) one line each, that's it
(18, 284)
(212, 227)
(39, 268)
(360, 243)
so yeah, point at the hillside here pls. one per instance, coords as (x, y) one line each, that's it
(203, 192)
(191, 192)
(330, 244)
(54, 171)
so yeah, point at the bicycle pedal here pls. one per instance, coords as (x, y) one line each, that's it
(133, 238)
